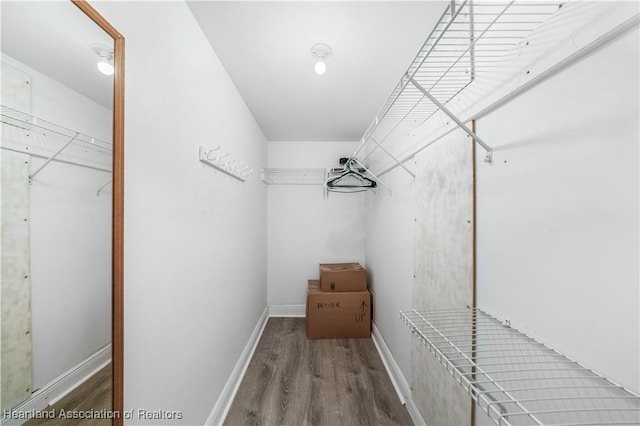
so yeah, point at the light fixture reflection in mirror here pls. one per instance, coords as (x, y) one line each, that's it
(105, 55)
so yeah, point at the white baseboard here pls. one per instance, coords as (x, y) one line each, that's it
(287, 310)
(59, 387)
(395, 374)
(223, 404)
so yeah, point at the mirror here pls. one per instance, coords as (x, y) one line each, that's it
(57, 226)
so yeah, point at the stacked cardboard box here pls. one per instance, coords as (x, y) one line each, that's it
(339, 304)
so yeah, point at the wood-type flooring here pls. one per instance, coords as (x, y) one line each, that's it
(94, 395)
(292, 380)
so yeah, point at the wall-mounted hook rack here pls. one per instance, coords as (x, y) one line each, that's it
(232, 166)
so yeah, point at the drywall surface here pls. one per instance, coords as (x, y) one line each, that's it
(389, 253)
(444, 266)
(304, 227)
(70, 234)
(558, 213)
(195, 239)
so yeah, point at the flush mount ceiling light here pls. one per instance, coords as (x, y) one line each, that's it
(105, 63)
(321, 52)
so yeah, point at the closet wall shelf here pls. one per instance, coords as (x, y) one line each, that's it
(514, 378)
(26, 133)
(470, 38)
(295, 176)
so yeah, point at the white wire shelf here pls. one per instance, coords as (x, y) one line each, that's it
(26, 133)
(470, 38)
(293, 176)
(514, 378)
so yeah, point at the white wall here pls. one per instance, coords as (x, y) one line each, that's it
(558, 213)
(53, 101)
(195, 239)
(557, 147)
(183, 286)
(70, 267)
(390, 223)
(304, 228)
(70, 237)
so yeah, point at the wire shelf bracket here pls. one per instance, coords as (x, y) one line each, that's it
(376, 177)
(39, 169)
(398, 162)
(515, 379)
(103, 186)
(489, 157)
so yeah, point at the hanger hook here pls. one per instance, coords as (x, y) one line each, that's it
(210, 151)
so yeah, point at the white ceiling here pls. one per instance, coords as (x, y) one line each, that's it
(55, 38)
(265, 47)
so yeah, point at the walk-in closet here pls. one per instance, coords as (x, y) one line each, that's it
(320, 213)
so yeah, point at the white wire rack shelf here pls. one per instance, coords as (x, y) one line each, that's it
(514, 378)
(470, 38)
(26, 133)
(293, 176)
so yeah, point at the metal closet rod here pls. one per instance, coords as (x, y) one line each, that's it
(570, 60)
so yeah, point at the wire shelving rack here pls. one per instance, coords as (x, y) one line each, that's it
(468, 41)
(295, 176)
(26, 133)
(515, 379)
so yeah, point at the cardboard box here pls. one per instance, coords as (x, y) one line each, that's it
(342, 277)
(337, 315)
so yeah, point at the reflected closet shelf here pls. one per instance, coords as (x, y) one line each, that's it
(26, 133)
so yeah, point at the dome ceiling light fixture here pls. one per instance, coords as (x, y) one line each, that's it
(321, 52)
(105, 63)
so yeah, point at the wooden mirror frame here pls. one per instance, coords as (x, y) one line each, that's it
(117, 233)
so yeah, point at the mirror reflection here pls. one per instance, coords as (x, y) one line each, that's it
(56, 95)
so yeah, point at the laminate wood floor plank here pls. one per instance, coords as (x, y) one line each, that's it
(292, 380)
(322, 401)
(92, 395)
